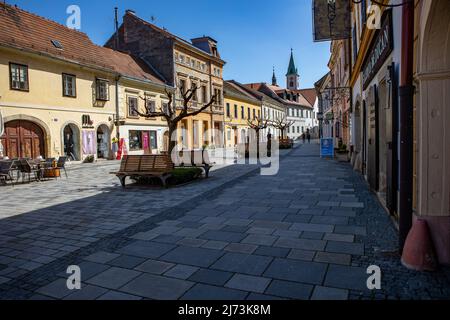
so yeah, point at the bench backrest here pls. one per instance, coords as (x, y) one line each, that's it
(146, 163)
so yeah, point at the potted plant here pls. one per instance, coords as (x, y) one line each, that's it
(342, 152)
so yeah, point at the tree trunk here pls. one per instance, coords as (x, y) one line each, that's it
(172, 143)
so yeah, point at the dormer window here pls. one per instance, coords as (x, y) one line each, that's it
(214, 51)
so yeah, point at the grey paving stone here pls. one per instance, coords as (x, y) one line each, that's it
(238, 229)
(345, 247)
(255, 230)
(222, 236)
(312, 235)
(238, 222)
(295, 270)
(87, 292)
(287, 233)
(190, 242)
(272, 251)
(304, 244)
(241, 247)
(339, 237)
(154, 266)
(356, 230)
(88, 270)
(262, 297)
(128, 262)
(56, 289)
(346, 277)
(242, 263)
(336, 258)
(199, 257)
(328, 203)
(248, 283)
(330, 220)
(146, 249)
(181, 271)
(304, 255)
(217, 245)
(352, 204)
(327, 293)
(207, 292)
(302, 218)
(271, 224)
(268, 216)
(101, 257)
(214, 277)
(260, 239)
(340, 213)
(312, 212)
(116, 295)
(289, 289)
(167, 239)
(312, 227)
(190, 232)
(113, 278)
(157, 287)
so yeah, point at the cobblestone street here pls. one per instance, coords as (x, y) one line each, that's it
(310, 232)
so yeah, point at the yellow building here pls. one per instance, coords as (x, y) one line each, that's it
(181, 64)
(58, 90)
(240, 108)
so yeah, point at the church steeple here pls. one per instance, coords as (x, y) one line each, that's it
(292, 76)
(274, 78)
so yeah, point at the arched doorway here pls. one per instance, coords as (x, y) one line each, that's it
(166, 141)
(71, 141)
(103, 137)
(23, 139)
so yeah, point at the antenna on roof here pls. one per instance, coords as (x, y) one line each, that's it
(116, 26)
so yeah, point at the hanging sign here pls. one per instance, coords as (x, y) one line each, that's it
(331, 20)
(380, 49)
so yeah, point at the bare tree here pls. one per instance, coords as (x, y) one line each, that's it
(282, 124)
(258, 124)
(173, 114)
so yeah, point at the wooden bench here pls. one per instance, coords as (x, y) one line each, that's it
(194, 159)
(159, 166)
(286, 143)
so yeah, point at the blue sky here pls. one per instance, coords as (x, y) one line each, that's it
(253, 35)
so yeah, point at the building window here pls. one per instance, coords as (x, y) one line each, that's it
(102, 89)
(204, 94)
(254, 114)
(69, 85)
(150, 105)
(194, 94)
(259, 114)
(248, 114)
(218, 94)
(132, 107)
(235, 111)
(242, 112)
(165, 108)
(18, 77)
(182, 86)
(228, 111)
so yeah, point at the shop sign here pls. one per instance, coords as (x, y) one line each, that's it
(331, 20)
(326, 147)
(380, 49)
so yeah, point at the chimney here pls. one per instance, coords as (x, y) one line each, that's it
(129, 11)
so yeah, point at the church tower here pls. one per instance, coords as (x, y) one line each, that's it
(292, 76)
(274, 78)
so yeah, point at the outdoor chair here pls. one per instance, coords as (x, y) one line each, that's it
(5, 171)
(61, 164)
(28, 169)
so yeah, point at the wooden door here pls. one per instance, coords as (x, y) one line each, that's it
(23, 139)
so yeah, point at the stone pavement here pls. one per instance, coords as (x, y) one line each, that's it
(309, 232)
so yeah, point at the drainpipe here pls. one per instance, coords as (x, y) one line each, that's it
(117, 122)
(406, 93)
